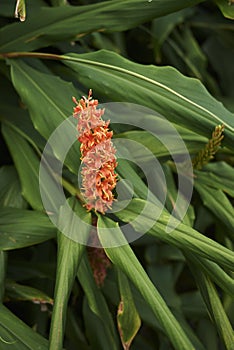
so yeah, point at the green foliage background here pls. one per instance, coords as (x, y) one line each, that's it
(164, 291)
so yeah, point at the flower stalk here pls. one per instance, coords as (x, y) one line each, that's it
(99, 262)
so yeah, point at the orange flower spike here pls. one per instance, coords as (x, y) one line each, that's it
(97, 155)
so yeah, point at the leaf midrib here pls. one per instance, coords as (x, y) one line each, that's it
(148, 80)
(40, 90)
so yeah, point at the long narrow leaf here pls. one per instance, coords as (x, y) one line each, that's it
(10, 189)
(21, 228)
(128, 318)
(216, 274)
(69, 256)
(214, 305)
(55, 106)
(27, 165)
(17, 292)
(97, 303)
(180, 99)
(125, 259)
(193, 141)
(217, 202)
(219, 175)
(3, 265)
(16, 335)
(183, 237)
(71, 22)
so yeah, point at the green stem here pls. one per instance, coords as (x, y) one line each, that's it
(48, 56)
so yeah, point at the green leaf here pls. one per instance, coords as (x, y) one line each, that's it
(127, 171)
(163, 26)
(218, 175)
(21, 270)
(16, 335)
(183, 100)
(3, 267)
(19, 120)
(74, 331)
(21, 228)
(124, 258)
(94, 329)
(55, 106)
(218, 49)
(60, 23)
(27, 165)
(227, 8)
(97, 304)
(10, 189)
(183, 237)
(214, 305)
(143, 308)
(163, 278)
(69, 257)
(128, 318)
(58, 2)
(171, 192)
(208, 334)
(184, 46)
(217, 202)
(193, 305)
(215, 273)
(17, 291)
(190, 333)
(194, 142)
